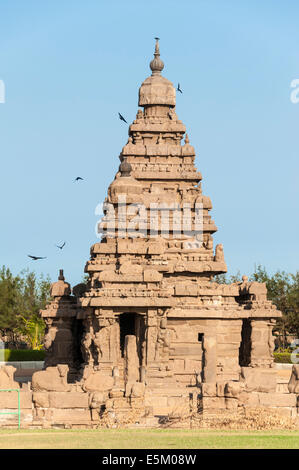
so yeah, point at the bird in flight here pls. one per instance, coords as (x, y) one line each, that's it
(60, 247)
(179, 88)
(122, 118)
(78, 178)
(36, 257)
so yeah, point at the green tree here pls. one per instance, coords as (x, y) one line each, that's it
(21, 298)
(10, 287)
(283, 291)
(33, 330)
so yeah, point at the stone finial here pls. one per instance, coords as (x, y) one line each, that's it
(60, 288)
(186, 139)
(245, 279)
(157, 65)
(125, 168)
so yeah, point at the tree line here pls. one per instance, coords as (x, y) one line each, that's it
(283, 291)
(23, 295)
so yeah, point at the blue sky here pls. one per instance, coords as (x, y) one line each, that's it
(70, 66)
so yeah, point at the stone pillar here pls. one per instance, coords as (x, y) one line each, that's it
(151, 336)
(87, 342)
(131, 372)
(209, 346)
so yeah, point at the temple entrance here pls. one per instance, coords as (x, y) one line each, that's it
(132, 324)
(245, 346)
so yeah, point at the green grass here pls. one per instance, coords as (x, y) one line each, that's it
(147, 439)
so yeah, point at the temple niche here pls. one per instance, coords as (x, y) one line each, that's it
(152, 330)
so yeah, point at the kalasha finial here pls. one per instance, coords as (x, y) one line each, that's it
(61, 276)
(125, 168)
(157, 65)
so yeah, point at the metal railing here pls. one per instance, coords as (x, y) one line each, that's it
(19, 405)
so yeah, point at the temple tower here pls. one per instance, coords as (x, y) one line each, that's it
(151, 316)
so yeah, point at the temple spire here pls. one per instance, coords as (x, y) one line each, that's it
(157, 65)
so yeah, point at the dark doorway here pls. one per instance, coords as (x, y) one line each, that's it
(132, 324)
(127, 322)
(245, 346)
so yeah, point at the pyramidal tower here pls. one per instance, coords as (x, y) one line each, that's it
(152, 330)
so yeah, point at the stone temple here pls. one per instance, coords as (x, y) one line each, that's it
(152, 331)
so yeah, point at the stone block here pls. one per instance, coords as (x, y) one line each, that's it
(161, 410)
(186, 350)
(179, 365)
(278, 399)
(177, 402)
(259, 379)
(231, 403)
(120, 403)
(193, 365)
(229, 338)
(68, 400)
(136, 402)
(228, 350)
(95, 415)
(286, 412)
(213, 402)
(116, 393)
(150, 275)
(156, 248)
(71, 416)
(41, 399)
(251, 399)
(209, 389)
(186, 289)
(104, 248)
(138, 390)
(9, 400)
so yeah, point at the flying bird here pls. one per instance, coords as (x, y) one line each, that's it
(36, 257)
(122, 118)
(78, 178)
(60, 247)
(179, 88)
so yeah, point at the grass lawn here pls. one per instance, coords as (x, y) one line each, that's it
(147, 439)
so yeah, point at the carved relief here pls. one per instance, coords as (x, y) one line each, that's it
(163, 342)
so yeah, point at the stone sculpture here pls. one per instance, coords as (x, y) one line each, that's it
(293, 385)
(7, 378)
(52, 379)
